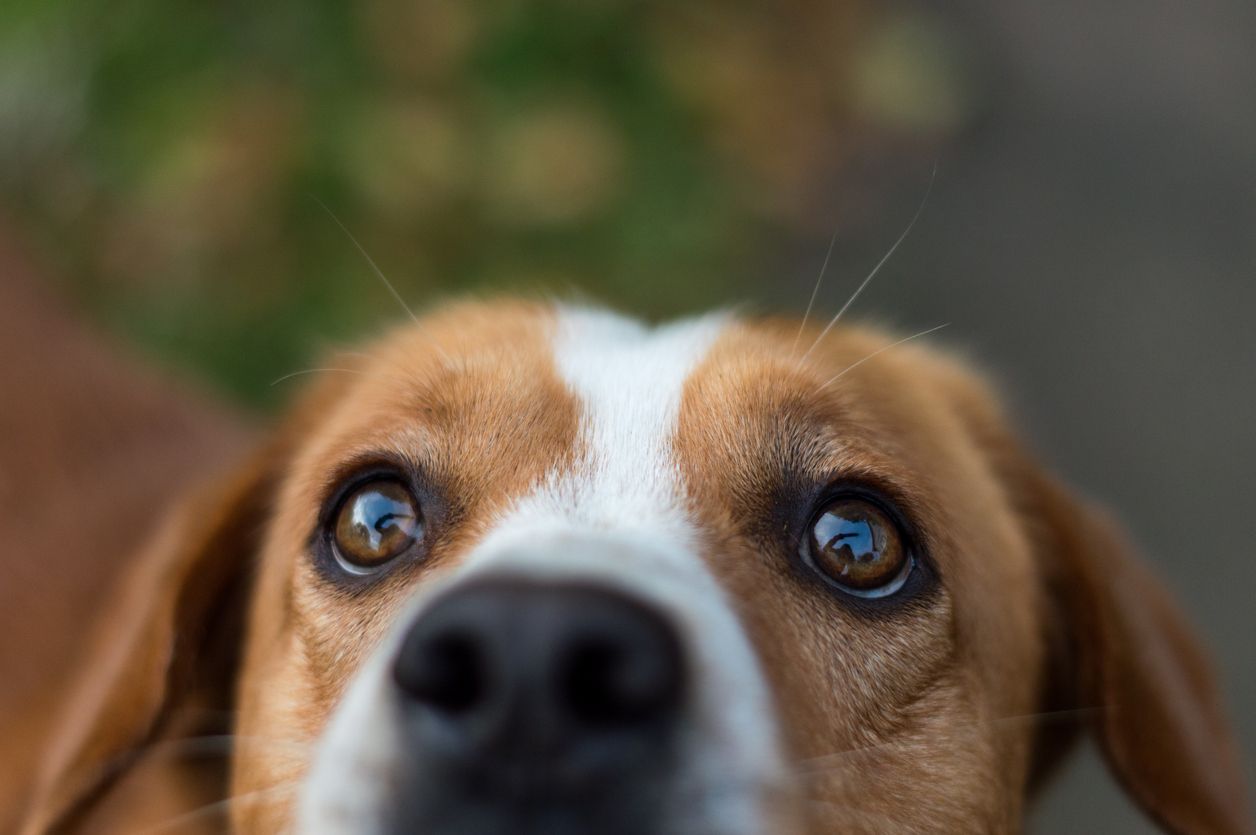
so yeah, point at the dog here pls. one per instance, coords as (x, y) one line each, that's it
(528, 567)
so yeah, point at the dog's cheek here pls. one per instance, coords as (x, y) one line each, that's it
(276, 732)
(277, 715)
(877, 714)
(940, 776)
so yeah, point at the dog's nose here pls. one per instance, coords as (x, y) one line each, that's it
(508, 671)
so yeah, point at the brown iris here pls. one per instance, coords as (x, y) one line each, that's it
(377, 522)
(858, 546)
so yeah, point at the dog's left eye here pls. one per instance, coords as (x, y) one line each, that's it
(856, 545)
(376, 523)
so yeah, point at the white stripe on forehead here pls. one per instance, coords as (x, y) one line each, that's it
(628, 379)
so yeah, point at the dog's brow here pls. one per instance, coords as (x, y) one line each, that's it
(629, 380)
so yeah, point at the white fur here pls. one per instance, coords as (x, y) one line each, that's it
(617, 517)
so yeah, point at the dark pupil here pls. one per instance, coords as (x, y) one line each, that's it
(853, 544)
(382, 522)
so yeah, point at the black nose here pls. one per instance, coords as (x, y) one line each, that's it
(541, 673)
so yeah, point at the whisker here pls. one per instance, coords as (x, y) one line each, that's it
(881, 350)
(403, 376)
(227, 744)
(885, 258)
(303, 372)
(444, 355)
(369, 260)
(221, 806)
(223, 745)
(814, 292)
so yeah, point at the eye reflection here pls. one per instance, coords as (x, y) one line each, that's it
(859, 547)
(377, 523)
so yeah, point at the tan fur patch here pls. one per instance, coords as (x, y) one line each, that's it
(472, 401)
(888, 708)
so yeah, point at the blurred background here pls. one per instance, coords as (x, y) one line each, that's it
(182, 170)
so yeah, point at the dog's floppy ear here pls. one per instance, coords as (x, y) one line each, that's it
(1129, 654)
(168, 643)
(162, 663)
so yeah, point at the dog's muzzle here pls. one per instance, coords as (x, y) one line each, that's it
(555, 682)
(537, 707)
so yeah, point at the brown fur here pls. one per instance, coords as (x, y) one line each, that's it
(93, 447)
(912, 718)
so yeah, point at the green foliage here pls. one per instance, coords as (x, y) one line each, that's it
(186, 165)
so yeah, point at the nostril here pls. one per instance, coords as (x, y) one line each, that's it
(443, 671)
(621, 680)
(588, 682)
(530, 667)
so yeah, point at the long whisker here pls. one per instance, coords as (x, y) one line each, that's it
(885, 258)
(221, 806)
(305, 371)
(814, 292)
(226, 744)
(444, 355)
(369, 260)
(217, 745)
(882, 350)
(403, 376)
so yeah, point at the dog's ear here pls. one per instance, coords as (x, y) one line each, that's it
(161, 665)
(168, 644)
(1126, 656)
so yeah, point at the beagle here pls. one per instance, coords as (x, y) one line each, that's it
(530, 568)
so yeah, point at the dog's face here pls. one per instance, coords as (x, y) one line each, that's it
(528, 569)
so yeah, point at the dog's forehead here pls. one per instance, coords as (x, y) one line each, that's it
(629, 381)
(520, 388)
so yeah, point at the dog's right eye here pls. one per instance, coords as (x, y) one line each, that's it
(858, 547)
(376, 523)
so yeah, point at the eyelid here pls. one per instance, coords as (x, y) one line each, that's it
(890, 588)
(349, 568)
(353, 474)
(898, 501)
